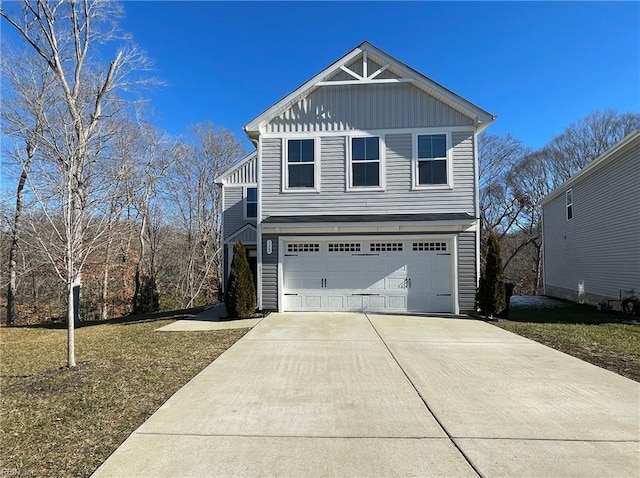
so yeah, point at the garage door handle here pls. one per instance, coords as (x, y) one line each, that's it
(443, 295)
(365, 294)
(290, 294)
(365, 254)
(291, 255)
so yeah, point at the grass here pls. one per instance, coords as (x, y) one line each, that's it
(61, 422)
(607, 340)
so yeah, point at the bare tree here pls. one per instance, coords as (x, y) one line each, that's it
(198, 200)
(586, 139)
(500, 203)
(64, 36)
(27, 94)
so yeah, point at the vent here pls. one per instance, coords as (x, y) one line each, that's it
(386, 247)
(344, 247)
(303, 247)
(430, 246)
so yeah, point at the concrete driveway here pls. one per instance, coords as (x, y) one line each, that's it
(346, 394)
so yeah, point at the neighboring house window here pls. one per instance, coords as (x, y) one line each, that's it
(365, 162)
(251, 203)
(569, 196)
(300, 163)
(431, 159)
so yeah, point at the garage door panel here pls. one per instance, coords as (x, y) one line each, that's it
(385, 275)
(355, 302)
(377, 302)
(336, 302)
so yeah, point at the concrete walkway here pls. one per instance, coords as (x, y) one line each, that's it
(374, 395)
(210, 319)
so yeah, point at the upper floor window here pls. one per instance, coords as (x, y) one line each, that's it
(431, 167)
(251, 203)
(569, 199)
(300, 164)
(366, 165)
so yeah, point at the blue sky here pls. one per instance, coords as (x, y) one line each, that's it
(537, 66)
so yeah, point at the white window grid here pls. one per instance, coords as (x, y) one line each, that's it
(344, 247)
(386, 247)
(430, 246)
(303, 247)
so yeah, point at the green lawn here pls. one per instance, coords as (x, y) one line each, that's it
(604, 339)
(61, 422)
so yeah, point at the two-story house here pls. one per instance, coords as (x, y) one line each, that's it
(362, 193)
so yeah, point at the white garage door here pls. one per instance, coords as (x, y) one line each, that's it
(389, 275)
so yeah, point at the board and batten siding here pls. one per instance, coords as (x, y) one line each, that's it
(245, 174)
(467, 280)
(397, 198)
(600, 245)
(366, 107)
(270, 273)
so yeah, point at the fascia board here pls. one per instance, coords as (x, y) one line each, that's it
(225, 174)
(481, 116)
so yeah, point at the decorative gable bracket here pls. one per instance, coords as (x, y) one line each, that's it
(365, 77)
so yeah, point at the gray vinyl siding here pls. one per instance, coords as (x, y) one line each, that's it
(601, 244)
(398, 197)
(366, 107)
(232, 218)
(270, 273)
(467, 271)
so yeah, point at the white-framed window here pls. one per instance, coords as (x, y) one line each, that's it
(301, 166)
(250, 202)
(432, 161)
(569, 200)
(365, 162)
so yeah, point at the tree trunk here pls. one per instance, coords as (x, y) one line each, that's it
(104, 293)
(15, 240)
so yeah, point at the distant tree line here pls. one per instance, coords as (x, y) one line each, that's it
(514, 179)
(103, 213)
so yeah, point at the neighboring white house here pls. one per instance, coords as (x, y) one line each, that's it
(365, 184)
(591, 228)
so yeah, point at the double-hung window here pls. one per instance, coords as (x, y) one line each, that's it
(431, 165)
(365, 162)
(251, 203)
(569, 201)
(300, 164)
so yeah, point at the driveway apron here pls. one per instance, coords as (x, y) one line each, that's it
(346, 394)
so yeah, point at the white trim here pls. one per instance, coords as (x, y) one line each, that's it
(364, 82)
(415, 162)
(369, 228)
(476, 199)
(349, 187)
(285, 165)
(370, 132)
(259, 225)
(244, 202)
(350, 72)
(454, 275)
(568, 204)
(221, 179)
(452, 240)
(280, 283)
(480, 117)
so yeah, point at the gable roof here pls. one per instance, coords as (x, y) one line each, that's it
(244, 177)
(605, 158)
(399, 72)
(241, 231)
